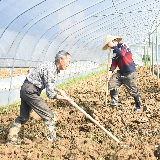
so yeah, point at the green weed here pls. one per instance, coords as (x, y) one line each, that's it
(6, 108)
(70, 82)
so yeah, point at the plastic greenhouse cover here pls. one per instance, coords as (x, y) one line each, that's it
(35, 30)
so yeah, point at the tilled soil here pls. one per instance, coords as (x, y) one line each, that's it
(78, 138)
(6, 73)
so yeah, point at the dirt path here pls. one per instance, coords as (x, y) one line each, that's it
(78, 138)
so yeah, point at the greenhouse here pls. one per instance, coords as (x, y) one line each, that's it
(33, 32)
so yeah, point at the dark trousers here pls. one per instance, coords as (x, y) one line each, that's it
(30, 99)
(128, 80)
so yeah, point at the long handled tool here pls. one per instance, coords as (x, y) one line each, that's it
(107, 74)
(93, 120)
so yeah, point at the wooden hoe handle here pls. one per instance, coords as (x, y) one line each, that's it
(94, 121)
(107, 74)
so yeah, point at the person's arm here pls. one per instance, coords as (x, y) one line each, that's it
(108, 76)
(69, 100)
(112, 68)
(61, 92)
(113, 65)
(63, 96)
(121, 52)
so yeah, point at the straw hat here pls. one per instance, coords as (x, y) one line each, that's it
(108, 39)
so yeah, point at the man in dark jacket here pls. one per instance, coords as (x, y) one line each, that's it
(122, 57)
(43, 76)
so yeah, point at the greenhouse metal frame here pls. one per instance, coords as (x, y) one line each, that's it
(34, 31)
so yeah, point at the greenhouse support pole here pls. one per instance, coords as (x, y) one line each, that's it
(107, 74)
(152, 55)
(10, 86)
(145, 55)
(157, 51)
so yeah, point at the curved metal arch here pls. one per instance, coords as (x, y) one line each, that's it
(70, 27)
(34, 21)
(89, 46)
(92, 40)
(87, 39)
(19, 16)
(83, 32)
(40, 18)
(85, 27)
(87, 35)
(77, 35)
(90, 33)
(65, 29)
(90, 50)
(82, 36)
(117, 13)
(123, 20)
(142, 29)
(105, 16)
(14, 62)
(94, 47)
(83, 47)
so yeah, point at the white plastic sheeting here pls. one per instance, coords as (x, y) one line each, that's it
(34, 30)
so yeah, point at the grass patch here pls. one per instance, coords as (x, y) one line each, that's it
(15, 105)
(43, 95)
(70, 82)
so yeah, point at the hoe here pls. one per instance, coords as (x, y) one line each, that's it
(93, 120)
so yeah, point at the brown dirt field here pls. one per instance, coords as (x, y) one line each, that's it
(80, 139)
(6, 73)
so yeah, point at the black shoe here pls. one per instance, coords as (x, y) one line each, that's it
(138, 109)
(138, 104)
(114, 98)
(113, 103)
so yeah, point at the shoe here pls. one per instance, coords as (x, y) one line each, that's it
(138, 109)
(113, 103)
(49, 128)
(138, 104)
(114, 97)
(13, 133)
